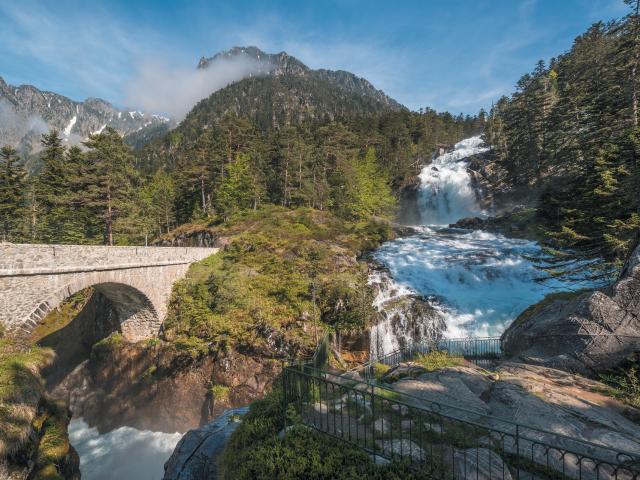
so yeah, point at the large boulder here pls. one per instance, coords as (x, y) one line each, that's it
(551, 406)
(196, 455)
(588, 333)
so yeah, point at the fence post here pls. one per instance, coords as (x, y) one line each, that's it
(284, 394)
(517, 452)
(373, 420)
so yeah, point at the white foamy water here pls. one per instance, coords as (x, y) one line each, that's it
(123, 454)
(478, 281)
(446, 193)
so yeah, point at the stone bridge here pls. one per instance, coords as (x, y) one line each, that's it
(34, 279)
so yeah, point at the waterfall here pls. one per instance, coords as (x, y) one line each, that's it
(474, 283)
(446, 194)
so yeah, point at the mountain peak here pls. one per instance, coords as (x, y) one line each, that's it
(283, 64)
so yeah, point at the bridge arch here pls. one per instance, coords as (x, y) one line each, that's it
(136, 315)
(137, 281)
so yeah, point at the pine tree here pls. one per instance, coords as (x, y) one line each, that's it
(158, 197)
(51, 188)
(12, 194)
(237, 191)
(111, 179)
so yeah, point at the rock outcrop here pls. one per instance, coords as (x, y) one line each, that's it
(139, 385)
(589, 333)
(551, 406)
(195, 457)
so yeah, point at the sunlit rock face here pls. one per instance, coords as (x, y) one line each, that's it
(591, 333)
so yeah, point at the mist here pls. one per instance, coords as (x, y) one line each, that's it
(160, 88)
(14, 124)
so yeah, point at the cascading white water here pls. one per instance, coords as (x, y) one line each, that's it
(446, 193)
(477, 281)
(125, 453)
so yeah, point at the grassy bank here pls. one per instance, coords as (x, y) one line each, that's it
(33, 429)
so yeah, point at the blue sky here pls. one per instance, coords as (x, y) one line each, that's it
(449, 55)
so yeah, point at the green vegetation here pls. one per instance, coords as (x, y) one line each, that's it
(624, 385)
(109, 343)
(571, 131)
(51, 426)
(286, 276)
(257, 451)
(32, 427)
(354, 164)
(21, 388)
(439, 359)
(379, 369)
(61, 316)
(220, 393)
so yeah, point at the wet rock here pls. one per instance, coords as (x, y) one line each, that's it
(196, 455)
(140, 384)
(590, 333)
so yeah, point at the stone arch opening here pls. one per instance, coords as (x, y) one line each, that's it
(135, 315)
(99, 311)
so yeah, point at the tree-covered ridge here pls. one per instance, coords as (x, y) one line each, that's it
(571, 131)
(311, 164)
(104, 194)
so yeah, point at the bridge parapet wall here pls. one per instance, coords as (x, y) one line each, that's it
(35, 279)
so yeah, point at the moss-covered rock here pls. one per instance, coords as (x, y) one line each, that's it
(33, 428)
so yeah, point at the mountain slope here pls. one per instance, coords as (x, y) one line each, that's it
(286, 91)
(283, 64)
(26, 112)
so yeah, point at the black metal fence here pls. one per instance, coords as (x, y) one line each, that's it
(447, 441)
(481, 351)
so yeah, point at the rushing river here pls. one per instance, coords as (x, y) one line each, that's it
(477, 281)
(124, 453)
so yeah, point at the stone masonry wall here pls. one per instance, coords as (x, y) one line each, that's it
(137, 280)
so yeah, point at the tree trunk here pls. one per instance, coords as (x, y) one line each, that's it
(204, 202)
(109, 219)
(286, 182)
(634, 69)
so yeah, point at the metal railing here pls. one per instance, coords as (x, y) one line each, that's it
(483, 352)
(447, 441)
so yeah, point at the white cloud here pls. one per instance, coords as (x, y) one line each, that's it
(16, 124)
(89, 50)
(160, 88)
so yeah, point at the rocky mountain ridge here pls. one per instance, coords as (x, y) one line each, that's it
(283, 64)
(26, 112)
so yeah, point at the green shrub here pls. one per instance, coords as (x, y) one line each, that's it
(439, 359)
(266, 276)
(194, 346)
(624, 385)
(379, 369)
(255, 451)
(220, 393)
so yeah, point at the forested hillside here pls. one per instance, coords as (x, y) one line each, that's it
(571, 132)
(319, 139)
